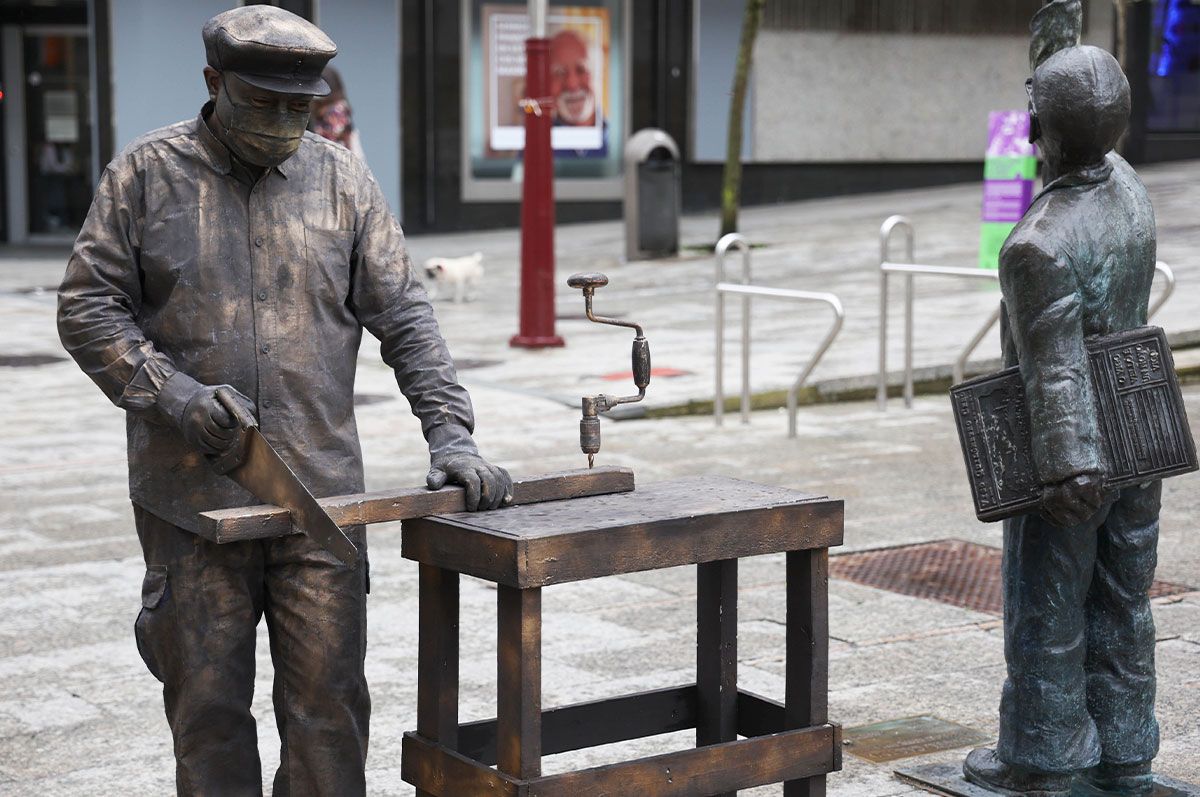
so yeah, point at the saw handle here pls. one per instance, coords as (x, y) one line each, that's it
(244, 419)
(226, 462)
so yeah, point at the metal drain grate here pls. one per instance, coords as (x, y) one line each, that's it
(28, 360)
(957, 572)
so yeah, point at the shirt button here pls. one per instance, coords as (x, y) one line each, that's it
(258, 241)
(266, 403)
(262, 296)
(266, 348)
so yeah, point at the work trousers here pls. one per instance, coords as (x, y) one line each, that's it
(1079, 638)
(201, 604)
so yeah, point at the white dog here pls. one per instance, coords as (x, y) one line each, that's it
(463, 274)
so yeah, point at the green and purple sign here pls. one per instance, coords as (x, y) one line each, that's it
(1009, 171)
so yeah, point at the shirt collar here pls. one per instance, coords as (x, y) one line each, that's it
(1089, 175)
(218, 155)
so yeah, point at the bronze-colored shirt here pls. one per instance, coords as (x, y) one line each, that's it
(190, 272)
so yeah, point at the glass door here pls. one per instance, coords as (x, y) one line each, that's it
(58, 135)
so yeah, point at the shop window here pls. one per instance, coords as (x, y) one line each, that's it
(588, 83)
(1175, 67)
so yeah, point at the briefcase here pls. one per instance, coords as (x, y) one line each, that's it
(1144, 429)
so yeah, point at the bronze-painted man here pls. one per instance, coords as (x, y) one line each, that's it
(236, 249)
(1079, 637)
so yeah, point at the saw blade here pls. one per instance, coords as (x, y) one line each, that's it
(264, 473)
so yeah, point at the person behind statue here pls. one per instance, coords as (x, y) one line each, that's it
(236, 249)
(1079, 637)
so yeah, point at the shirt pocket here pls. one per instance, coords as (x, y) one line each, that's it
(327, 262)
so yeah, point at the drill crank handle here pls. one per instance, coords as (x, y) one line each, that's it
(600, 319)
(588, 283)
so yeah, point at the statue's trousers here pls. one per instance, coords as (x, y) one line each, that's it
(1079, 637)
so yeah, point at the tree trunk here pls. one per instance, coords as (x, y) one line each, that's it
(731, 185)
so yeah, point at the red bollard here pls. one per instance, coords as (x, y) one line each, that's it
(537, 206)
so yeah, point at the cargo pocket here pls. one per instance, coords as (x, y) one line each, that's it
(153, 624)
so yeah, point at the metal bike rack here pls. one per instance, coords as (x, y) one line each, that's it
(729, 241)
(748, 291)
(910, 269)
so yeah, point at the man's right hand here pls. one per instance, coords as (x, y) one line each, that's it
(1071, 502)
(207, 425)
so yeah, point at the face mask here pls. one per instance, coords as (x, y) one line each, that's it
(260, 136)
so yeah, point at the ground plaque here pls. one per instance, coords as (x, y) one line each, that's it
(905, 738)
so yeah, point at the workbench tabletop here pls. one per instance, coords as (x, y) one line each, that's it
(685, 521)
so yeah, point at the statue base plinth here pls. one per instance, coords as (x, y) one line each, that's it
(948, 779)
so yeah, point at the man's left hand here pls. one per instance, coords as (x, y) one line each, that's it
(487, 486)
(1071, 502)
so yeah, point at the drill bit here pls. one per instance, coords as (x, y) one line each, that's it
(591, 461)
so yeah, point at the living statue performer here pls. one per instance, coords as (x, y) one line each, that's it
(237, 250)
(1078, 702)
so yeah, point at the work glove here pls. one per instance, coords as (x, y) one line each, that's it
(207, 423)
(454, 458)
(1071, 502)
(487, 486)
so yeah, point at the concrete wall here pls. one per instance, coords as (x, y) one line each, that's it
(846, 97)
(367, 33)
(157, 62)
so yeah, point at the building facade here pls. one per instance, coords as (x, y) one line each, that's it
(846, 95)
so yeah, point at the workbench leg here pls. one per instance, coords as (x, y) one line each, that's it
(519, 682)
(807, 697)
(716, 653)
(437, 659)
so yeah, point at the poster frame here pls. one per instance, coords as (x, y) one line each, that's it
(566, 189)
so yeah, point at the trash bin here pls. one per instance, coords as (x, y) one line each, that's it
(652, 195)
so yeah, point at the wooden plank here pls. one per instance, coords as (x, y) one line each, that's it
(704, 771)
(807, 668)
(540, 562)
(435, 770)
(678, 499)
(716, 652)
(758, 715)
(686, 521)
(429, 541)
(437, 659)
(575, 727)
(519, 682)
(691, 540)
(257, 522)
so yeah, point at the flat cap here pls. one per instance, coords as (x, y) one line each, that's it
(269, 48)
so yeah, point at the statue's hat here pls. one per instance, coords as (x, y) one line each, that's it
(269, 48)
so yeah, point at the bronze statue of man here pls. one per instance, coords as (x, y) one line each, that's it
(1078, 702)
(237, 250)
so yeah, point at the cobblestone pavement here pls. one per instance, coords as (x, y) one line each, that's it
(80, 715)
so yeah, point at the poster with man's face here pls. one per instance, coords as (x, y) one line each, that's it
(579, 53)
